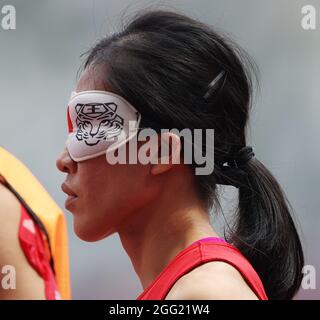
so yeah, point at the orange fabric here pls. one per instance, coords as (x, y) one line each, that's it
(195, 255)
(19, 177)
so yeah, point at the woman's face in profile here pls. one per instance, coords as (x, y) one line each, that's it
(102, 196)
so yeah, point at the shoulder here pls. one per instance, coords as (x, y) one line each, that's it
(215, 280)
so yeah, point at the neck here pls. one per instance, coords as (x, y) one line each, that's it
(163, 229)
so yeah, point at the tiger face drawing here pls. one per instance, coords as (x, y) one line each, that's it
(97, 122)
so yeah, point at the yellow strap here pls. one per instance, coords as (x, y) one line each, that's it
(38, 199)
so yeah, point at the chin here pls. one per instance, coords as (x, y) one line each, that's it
(90, 233)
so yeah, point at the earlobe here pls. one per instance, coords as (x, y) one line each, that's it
(168, 153)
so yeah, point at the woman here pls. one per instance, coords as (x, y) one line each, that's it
(175, 72)
(33, 236)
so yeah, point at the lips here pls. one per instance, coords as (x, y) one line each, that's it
(72, 196)
(68, 190)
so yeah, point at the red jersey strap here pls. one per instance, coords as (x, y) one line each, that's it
(195, 255)
(34, 244)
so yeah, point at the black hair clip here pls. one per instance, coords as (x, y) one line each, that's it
(213, 84)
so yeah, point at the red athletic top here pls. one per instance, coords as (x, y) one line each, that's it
(34, 244)
(196, 254)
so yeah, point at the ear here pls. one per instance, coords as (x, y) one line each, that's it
(168, 153)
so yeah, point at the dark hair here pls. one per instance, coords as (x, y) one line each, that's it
(162, 63)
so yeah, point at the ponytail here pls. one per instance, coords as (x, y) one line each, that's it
(265, 232)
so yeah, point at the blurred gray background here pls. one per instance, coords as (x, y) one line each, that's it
(38, 67)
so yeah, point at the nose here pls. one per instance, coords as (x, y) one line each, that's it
(93, 131)
(65, 164)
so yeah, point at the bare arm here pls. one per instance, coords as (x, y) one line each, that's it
(29, 285)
